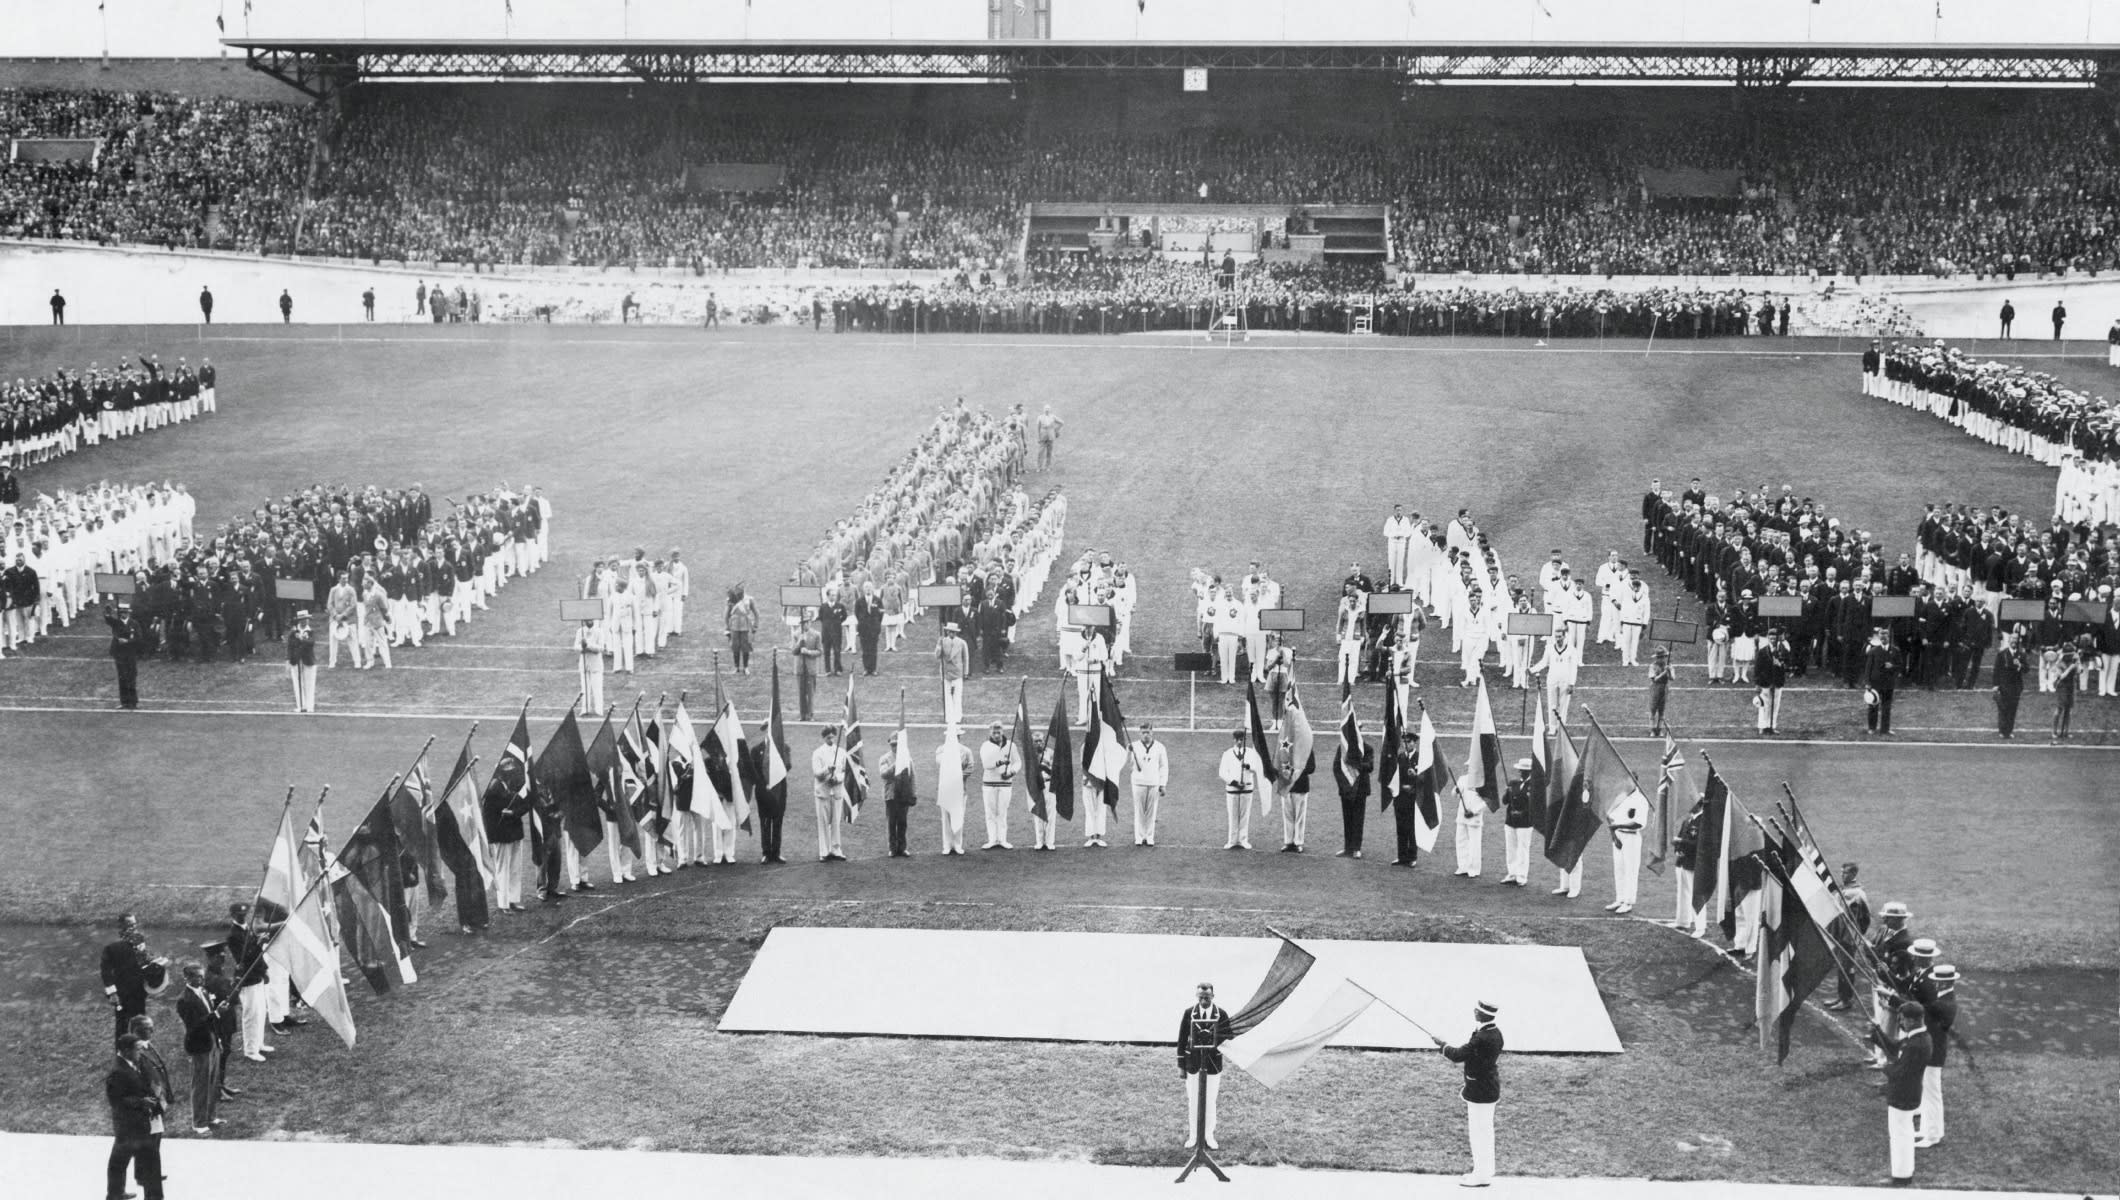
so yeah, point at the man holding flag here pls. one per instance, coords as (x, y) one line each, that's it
(898, 794)
(953, 770)
(1516, 826)
(1351, 766)
(1294, 768)
(773, 763)
(1479, 792)
(1103, 758)
(828, 772)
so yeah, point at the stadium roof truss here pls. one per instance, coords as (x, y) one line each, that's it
(321, 67)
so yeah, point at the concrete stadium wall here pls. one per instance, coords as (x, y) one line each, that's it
(129, 285)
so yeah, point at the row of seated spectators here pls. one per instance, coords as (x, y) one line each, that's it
(1907, 183)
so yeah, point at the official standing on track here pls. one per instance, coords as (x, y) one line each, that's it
(1481, 1056)
(302, 663)
(1202, 1030)
(1516, 827)
(1151, 782)
(1240, 783)
(125, 646)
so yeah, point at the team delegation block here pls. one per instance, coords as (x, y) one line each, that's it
(1110, 987)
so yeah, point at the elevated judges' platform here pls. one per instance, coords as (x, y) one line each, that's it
(1107, 987)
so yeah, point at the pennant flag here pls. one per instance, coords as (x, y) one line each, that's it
(370, 895)
(1674, 794)
(569, 787)
(1429, 775)
(412, 811)
(1060, 749)
(1391, 772)
(1483, 759)
(460, 841)
(1034, 778)
(1259, 744)
(1345, 761)
(773, 771)
(305, 948)
(1104, 746)
(850, 757)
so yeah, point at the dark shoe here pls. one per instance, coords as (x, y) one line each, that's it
(584, 886)
(417, 942)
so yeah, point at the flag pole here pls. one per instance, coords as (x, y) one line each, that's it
(453, 779)
(323, 874)
(259, 895)
(418, 758)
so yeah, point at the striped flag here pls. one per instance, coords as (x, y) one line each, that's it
(728, 759)
(1391, 764)
(1259, 743)
(305, 948)
(850, 757)
(1292, 1015)
(1541, 770)
(1430, 774)
(1034, 771)
(1483, 759)
(1104, 746)
(460, 839)
(773, 752)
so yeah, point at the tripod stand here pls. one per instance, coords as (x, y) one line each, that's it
(1200, 1156)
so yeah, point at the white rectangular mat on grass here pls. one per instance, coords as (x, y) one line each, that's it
(1114, 987)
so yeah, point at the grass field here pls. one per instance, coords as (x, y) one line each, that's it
(742, 448)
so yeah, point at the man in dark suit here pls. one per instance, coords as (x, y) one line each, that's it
(221, 987)
(2009, 685)
(1906, 1062)
(202, 1045)
(1481, 1055)
(124, 971)
(2060, 317)
(1881, 675)
(1352, 772)
(126, 644)
(136, 1124)
(1202, 1030)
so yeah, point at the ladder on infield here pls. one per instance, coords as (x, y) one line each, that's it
(1364, 315)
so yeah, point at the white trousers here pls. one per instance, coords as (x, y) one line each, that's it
(1397, 553)
(994, 802)
(828, 806)
(1630, 644)
(1899, 1124)
(1626, 867)
(1572, 880)
(1042, 831)
(1684, 915)
(1144, 814)
(722, 842)
(1192, 1105)
(952, 831)
(1470, 830)
(1239, 805)
(250, 1011)
(1769, 707)
(1516, 852)
(1479, 1130)
(953, 701)
(304, 681)
(1932, 1104)
(1095, 816)
(615, 850)
(592, 681)
(508, 872)
(1295, 814)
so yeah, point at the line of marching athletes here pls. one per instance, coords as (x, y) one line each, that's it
(63, 412)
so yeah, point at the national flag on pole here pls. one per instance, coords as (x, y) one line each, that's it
(1294, 1013)
(1564, 764)
(371, 901)
(1541, 769)
(1302, 742)
(305, 948)
(1429, 774)
(1391, 773)
(1724, 870)
(1813, 883)
(773, 754)
(1600, 779)
(1483, 757)
(1060, 747)
(460, 840)
(681, 754)
(1259, 744)
(1345, 761)
(1104, 746)
(728, 761)
(897, 767)
(1674, 794)
(412, 811)
(607, 773)
(1794, 957)
(850, 757)
(660, 798)
(563, 775)
(1032, 772)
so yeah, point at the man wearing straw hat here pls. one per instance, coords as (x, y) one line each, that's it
(302, 663)
(1481, 1055)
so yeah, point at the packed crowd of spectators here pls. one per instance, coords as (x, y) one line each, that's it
(1866, 182)
(60, 413)
(170, 171)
